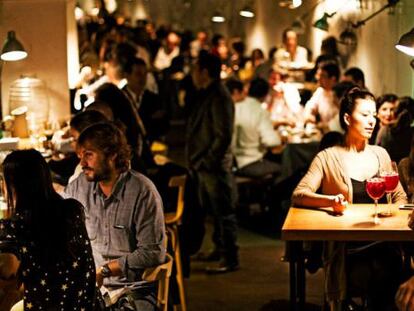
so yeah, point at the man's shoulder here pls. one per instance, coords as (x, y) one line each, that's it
(140, 181)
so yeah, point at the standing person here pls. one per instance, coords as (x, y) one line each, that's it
(336, 176)
(208, 147)
(124, 215)
(48, 235)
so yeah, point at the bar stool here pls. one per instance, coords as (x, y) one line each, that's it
(172, 221)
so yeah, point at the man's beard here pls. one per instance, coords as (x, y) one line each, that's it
(100, 173)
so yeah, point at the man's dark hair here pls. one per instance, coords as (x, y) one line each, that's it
(258, 88)
(211, 63)
(134, 61)
(341, 88)
(86, 118)
(122, 54)
(234, 84)
(332, 70)
(107, 138)
(356, 74)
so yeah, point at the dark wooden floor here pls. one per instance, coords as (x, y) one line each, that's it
(262, 283)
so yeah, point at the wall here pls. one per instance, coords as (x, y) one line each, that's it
(41, 26)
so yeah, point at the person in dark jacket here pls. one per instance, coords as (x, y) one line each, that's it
(208, 151)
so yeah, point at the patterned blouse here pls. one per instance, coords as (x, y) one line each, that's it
(67, 283)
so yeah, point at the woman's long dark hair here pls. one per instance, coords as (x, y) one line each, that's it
(31, 195)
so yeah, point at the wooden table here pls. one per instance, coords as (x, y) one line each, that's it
(356, 224)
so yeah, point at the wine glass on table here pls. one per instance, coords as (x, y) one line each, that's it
(375, 188)
(391, 178)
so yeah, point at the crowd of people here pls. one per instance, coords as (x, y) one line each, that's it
(134, 81)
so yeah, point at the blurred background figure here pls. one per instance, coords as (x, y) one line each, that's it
(356, 76)
(291, 54)
(385, 115)
(396, 136)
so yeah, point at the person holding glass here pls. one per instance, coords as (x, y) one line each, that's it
(44, 239)
(337, 176)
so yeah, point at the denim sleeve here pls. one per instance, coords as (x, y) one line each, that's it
(149, 234)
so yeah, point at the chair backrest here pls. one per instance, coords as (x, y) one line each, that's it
(178, 182)
(161, 274)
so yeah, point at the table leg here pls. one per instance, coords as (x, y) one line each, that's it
(297, 275)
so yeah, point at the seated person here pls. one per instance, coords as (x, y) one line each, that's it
(47, 237)
(254, 134)
(385, 113)
(283, 101)
(124, 215)
(396, 137)
(291, 54)
(321, 108)
(336, 176)
(406, 172)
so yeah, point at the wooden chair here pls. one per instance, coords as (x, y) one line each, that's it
(161, 274)
(173, 220)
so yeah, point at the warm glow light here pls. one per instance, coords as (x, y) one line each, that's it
(295, 4)
(246, 13)
(405, 49)
(218, 19)
(14, 56)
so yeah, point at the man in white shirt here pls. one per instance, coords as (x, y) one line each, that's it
(322, 107)
(167, 52)
(291, 54)
(253, 133)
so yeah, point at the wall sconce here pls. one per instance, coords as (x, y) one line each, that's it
(390, 4)
(247, 11)
(406, 43)
(322, 23)
(218, 17)
(12, 50)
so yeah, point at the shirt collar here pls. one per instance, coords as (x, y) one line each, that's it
(122, 83)
(117, 189)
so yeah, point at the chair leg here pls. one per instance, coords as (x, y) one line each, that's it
(178, 265)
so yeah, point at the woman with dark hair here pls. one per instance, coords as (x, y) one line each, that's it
(385, 115)
(336, 176)
(396, 137)
(126, 118)
(47, 235)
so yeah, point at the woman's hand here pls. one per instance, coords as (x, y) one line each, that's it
(404, 298)
(339, 203)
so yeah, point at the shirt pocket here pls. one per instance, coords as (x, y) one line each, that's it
(122, 237)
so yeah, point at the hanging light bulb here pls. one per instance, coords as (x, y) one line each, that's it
(247, 11)
(218, 18)
(322, 23)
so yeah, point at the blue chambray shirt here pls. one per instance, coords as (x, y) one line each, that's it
(127, 226)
